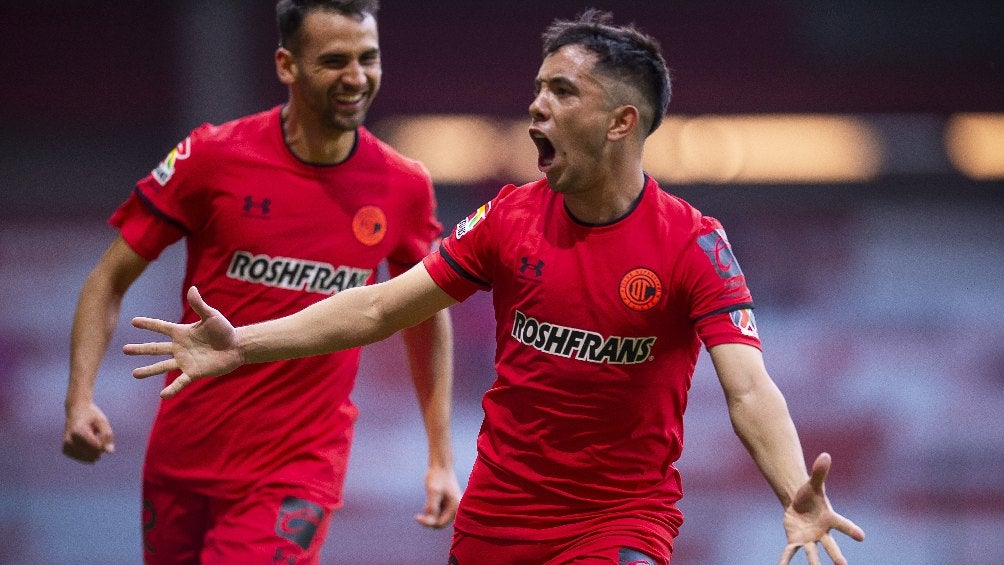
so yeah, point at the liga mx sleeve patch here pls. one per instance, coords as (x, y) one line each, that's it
(165, 169)
(472, 221)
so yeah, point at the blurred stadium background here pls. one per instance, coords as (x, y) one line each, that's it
(854, 150)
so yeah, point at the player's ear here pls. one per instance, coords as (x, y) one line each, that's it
(623, 122)
(285, 65)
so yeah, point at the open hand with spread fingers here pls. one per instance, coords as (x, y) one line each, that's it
(205, 348)
(810, 517)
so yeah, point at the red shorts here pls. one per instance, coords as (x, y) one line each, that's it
(608, 548)
(272, 524)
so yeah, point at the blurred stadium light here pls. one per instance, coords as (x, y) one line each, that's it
(975, 145)
(765, 148)
(726, 149)
(456, 149)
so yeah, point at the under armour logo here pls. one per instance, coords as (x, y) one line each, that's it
(250, 204)
(537, 267)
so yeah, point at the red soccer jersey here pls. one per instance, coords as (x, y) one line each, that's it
(598, 332)
(267, 235)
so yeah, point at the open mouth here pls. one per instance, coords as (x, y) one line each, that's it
(545, 150)
(349, 99)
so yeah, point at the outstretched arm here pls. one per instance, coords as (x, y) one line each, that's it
(430, 356)
(354, 317)
(760, 418)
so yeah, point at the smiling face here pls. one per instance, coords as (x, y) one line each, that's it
(336, 72)
(570, 116)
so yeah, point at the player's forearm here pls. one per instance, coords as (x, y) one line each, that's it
(761, 419)
(94, 324)
(354, 317)
(348, 319)
(430, 356)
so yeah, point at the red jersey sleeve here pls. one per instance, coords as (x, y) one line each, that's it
(141, 228)
(721, 303)
(423, 235)
(465, 260)
(169, 201)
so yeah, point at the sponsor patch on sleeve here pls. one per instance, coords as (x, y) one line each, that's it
(715, 245)
(472, 221)
(165, 169)
(745, 321)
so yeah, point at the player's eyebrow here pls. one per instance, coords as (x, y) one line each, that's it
(558, 80)
(333, 56)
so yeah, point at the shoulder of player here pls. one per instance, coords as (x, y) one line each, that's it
(210, 139)
(686, 223)
(407, 171)
(676, 213)
(516, 203)
(512, 206)
(531, 194)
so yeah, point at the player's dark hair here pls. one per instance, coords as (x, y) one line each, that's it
(624, 53)
(291, 13)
